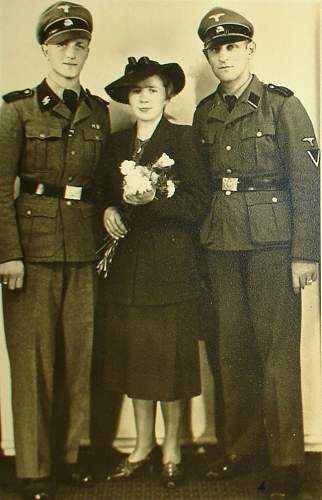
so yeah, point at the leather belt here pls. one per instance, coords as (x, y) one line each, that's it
(67, 192)
(249, 184)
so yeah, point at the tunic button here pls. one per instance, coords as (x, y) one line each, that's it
(259, 134)
(228, 148)
(70, 178)
(274, 200)
(73, 153)
(28, 212)
(42, 136)
(203, 141)
(227, 193)
(68, 203)
(228, 171)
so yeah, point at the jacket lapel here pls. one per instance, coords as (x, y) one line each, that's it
(248, 101)
(218, 110)
(49, 101)
(158, 144)
(246, 104)
(83, 110)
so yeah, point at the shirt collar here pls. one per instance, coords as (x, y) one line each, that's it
(48, 98)
(240, 90)
(57, 89)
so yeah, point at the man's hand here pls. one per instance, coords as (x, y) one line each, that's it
(113, 223)
(303, 274)
(12, 273)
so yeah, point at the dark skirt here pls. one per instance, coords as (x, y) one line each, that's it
(151, 352)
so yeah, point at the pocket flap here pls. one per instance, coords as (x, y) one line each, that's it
(45, 132)
(92, 134)
(259, 131)
(31, 209)
(267, 197)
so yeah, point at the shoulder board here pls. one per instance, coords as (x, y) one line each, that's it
(97, 98)
(280, 90)
(205, 99)
(18, 94)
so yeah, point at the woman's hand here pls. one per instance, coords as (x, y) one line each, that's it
(139, 198)
(113, 223)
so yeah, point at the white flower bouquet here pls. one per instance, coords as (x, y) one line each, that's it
(141, 185)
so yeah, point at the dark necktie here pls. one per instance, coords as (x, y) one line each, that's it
(230, 101)
(70, 98)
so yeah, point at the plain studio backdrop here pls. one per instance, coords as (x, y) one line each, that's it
(288, 54)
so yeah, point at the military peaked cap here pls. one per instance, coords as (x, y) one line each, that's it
(221, 26)
(64, 21)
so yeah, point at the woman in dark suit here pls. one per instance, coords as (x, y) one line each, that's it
(148, 303)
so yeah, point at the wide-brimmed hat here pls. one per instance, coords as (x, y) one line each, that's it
(141, 69)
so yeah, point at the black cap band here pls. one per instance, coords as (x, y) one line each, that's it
(65, 24)
(227, 30)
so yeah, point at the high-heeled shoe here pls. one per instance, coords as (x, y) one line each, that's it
(172, 474)
(130, 470)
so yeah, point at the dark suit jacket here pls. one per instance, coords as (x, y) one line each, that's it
(156, 261)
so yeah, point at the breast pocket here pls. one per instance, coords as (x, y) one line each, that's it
(93, 143)
(37, 225)
(39, 140)
(258, 148)
(269, 217)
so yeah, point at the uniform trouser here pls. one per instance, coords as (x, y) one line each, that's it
(57, 301)
(255, 353)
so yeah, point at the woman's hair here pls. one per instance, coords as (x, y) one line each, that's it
(167, 82)
(168, 85)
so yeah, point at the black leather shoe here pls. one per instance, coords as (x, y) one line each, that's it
(74, 475)
(284, 483)
(229, 466)
(131, 470)
(172, 475)
(37, 489)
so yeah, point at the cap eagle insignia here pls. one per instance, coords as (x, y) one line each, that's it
(65, 8)
(216, 17)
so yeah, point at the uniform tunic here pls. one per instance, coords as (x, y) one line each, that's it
(251, 238)
(147, 304)
(41, 140)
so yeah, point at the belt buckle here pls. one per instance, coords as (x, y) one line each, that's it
(229, 183)
(40, 189)
(73, 192)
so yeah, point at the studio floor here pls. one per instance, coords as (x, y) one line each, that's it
(149, 487)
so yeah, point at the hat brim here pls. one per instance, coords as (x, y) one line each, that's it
(120, 88)
(62, 36)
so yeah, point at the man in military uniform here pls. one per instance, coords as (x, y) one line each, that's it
(262, 239)
(53, 141)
